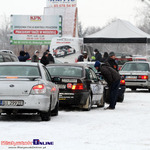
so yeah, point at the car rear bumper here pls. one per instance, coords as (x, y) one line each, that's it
(70, 98)
(138, 84)
(31, 102)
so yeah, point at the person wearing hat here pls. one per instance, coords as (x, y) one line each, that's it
(112, 78)
(35, 57)
(50, 57)
(24, 56)
(98, 55)
(82, 56)
(112, 62)
(44, 59)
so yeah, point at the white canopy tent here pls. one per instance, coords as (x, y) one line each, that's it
(120, 33)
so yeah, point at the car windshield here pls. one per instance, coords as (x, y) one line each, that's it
(135, 67)
(65, 71)
(19, 71)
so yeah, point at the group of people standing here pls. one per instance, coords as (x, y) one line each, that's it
(46, 59)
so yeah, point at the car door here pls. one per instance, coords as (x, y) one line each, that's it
(96, 86)
(52, 85)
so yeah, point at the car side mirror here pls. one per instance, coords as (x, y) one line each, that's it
(56, 79)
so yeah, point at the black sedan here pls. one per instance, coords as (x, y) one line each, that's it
(78, 85)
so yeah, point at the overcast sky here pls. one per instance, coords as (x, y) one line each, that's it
(91, 12)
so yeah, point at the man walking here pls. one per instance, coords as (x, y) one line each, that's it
(112, 77)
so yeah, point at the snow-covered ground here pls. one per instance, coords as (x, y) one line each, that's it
(126, 128)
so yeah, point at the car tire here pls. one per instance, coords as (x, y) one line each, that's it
(46, 116)
(88, 105)
(133, 89)
(56, 109)
(120, 99)
(99, 104)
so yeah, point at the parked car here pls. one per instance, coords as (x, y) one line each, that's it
(122, 86)
(63, 51)
(78, 85)
(136, 74)
(27, 87)
(8, 57)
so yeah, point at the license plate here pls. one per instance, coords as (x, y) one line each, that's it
(11, 103)
(61, 86)
(131, 77)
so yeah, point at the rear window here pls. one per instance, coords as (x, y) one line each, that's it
(19, 71)
(65, 71)
(135, 67)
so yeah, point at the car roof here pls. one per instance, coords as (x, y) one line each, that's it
(68, 64)
(19, 63)
(137, 62)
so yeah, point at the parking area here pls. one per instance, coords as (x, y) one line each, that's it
(126, 127)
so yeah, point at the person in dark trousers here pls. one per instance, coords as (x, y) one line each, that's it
(44, 59)
(23, 56)
(112, 77)
(112, 62)
(105, 57)
(98, 55)
(35, 57)
(50, 57)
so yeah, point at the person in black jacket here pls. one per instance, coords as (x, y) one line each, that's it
(111, 60)
(82, 56)
(105, 57)
(23, 56)
(112, 77)
(35, 57)
(98, 55)
(44, 59)
(50, 57)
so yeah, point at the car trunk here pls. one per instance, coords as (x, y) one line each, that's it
(16, 87)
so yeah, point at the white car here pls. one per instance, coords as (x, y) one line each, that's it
(27, 87)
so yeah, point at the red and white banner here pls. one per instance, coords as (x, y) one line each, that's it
(61, 3)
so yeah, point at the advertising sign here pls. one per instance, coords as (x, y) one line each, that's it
(61, 3)
(34, 30)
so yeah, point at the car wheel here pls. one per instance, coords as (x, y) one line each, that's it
(120, 99)
(88, 104)
(101, 103)
(55, 111)
(133, 89)
(46, 116)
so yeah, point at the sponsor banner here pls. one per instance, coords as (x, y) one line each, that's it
(34, 30)
(61, 3)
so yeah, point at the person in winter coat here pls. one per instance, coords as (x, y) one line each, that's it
(50, 57)
(82, 56)
(98, 55)
(105, 57)
(112, 77)
(44, 59)
(111, 60)
(23, 56)
(35, 57)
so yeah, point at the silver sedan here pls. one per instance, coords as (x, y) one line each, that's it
(27, 87)
(136, 74)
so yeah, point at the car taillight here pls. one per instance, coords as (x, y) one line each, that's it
(38, 89)
(78, 86)
(122, 82)
(142, 77)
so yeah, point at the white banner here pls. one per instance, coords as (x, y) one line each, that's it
(61, 3)
(34, 30)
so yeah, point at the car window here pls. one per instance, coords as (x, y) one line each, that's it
(65, 71)
(19, 71)
(47, 75)
(7, 58)
(135, 67)
(1, 58)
